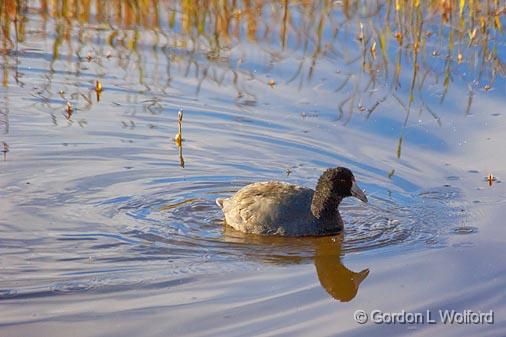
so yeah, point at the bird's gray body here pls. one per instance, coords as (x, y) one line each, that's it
(274, 208)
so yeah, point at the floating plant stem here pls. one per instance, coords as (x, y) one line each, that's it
(98, 90)
(178, 139)
(69, 110)
(5, 149)
(179, 136)
(490, 179)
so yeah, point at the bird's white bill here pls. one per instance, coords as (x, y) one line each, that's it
(357, 192)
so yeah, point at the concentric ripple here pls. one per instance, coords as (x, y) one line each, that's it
(187, 218)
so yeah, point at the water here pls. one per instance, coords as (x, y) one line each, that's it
(101, 205)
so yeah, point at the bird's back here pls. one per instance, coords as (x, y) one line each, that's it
(271, 208)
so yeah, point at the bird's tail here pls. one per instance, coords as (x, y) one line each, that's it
(219, 202)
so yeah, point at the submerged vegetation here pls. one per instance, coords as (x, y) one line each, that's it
(380, 50)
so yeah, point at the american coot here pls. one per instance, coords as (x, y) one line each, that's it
(277, 208)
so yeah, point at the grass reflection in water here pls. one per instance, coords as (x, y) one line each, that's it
(408, 52)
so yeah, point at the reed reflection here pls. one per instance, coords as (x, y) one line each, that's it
(338, 281)
(5, 149)
(383, 50)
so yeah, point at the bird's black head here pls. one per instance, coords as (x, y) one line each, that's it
(334, 185)
(340, 179)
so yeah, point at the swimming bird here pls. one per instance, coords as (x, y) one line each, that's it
(279, 208)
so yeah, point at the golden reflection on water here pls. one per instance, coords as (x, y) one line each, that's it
(98, 90)
(410, 44)
(168, 207)
(464, 29)
(325, 252)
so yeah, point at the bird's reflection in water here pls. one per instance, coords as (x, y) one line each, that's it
(340, 282)
(325, 252)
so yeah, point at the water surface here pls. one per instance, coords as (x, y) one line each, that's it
(108, 227)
